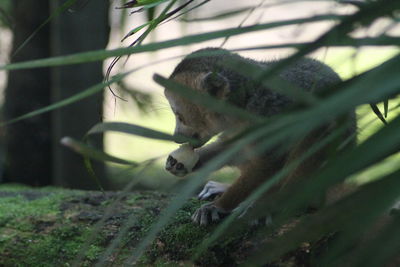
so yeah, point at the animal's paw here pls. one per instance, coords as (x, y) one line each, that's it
(260, 221)
(175, 167)
(181, 161)
(209, 213)
(212, 190)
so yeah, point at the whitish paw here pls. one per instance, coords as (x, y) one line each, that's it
(208, 213)
(211, 190)
(181, 161)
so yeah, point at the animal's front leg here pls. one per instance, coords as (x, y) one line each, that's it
(209, 213)
(212, 190)
(181, 161)
(185, 159)
(254, 173)
(208, 152)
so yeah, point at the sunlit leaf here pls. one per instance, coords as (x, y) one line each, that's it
(92, 153)
(132, 129)
(219, 16)
(70, 100)
(197, 38)
(135, 30)
(385, 107)
(378, 113)
(139, 3)
(350, 211)
(65, 6)
(205, 100)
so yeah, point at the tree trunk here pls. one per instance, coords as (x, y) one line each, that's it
(85, 28)
(34, 154)
(28, 152)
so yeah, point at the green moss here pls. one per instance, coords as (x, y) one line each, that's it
(13, 187)
(52, 227)
(33, 230)
(14, 208)
(57, 248)
(178, 242)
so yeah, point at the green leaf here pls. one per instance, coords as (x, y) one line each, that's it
(139, 3)
(385, 107)
(228, 226)
(276, 83)
(193, 181)
(5, 19)
(378, 113)
(221, 15)
(350, 212)
(383, 144)
(383, 247)
(55, 14)
(205, 100)
(132, 129)
(70, 100)
(92, 153)
(306, 121)
(135, 30)
(197, 38)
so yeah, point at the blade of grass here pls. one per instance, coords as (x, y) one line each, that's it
(276, 83)
(132, 129)
(139, 3)
(193, 182)
(327, 112)
(301, 123)
(384, 143)
(365, 16)
(174, 206)
(385, 107)
(5, 18)
(90, 152)
(70, 100)
(238, 11)
(378, 113)
(205, 100)
(135, 179)
(135, 30)
(269, 143)
(313, 227)
(92, 173)
(382, 40)
(187, 11)
(155, 22)
(152, 25)
(55, 14)
(381, 254)
(221, 15)
(197, 38)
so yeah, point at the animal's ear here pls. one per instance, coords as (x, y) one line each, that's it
(216, 85)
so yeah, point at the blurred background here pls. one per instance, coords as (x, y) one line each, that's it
(31, 152)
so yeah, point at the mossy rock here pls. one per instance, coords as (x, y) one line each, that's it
(59, 227)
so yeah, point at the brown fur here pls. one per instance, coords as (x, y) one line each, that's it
(196, 121)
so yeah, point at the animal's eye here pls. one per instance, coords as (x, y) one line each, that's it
(171, 160)
(179, 166)
(180, 118)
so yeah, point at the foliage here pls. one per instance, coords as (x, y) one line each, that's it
(5, 7)
(350, 219)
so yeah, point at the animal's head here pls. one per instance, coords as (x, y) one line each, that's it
(203, 71)
(193, 120)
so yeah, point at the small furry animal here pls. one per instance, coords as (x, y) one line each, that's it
(204, 71)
